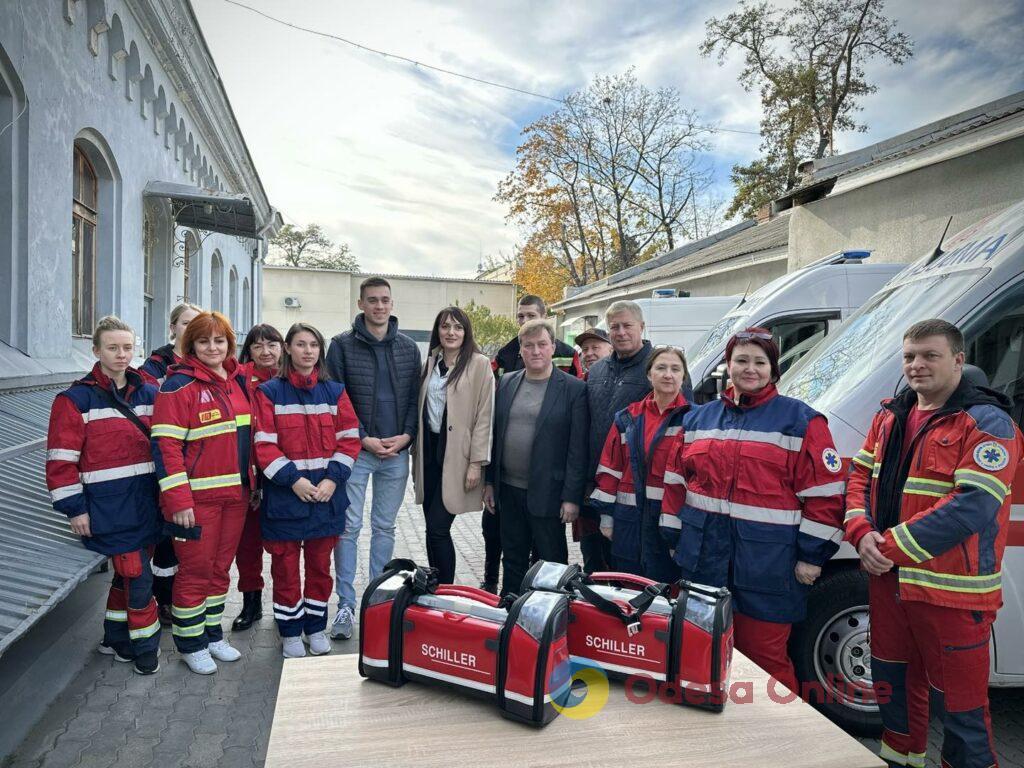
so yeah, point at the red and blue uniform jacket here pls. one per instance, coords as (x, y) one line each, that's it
(944, 506)
(638, 446)
(98, 462)
(305, 427)
(158, 362)
(202, 436)
(755, 487)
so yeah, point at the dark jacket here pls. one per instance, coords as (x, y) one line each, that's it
(351, 361)
(557, 461)
(508, 359)
(612, 384)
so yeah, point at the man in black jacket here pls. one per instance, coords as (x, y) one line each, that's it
(612, 384)
(380, 369)
(507, 360)
(540, 429)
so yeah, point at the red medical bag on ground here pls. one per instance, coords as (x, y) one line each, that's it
(509, 650)
(631, 626)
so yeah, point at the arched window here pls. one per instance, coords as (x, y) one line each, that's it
(233, 299)
(14, 259)
(246, 304)
(216, 283)
(84, 221)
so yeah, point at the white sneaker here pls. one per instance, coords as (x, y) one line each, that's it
(292, 647)
(341, 628)
(222, 650)
(200, 662)
(108, 650)
(318, 644)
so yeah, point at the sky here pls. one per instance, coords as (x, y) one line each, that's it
(402, 163)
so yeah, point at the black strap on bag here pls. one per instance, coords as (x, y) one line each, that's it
(638, 604)
(124, 410)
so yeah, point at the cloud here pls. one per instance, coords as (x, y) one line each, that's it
(402, 162)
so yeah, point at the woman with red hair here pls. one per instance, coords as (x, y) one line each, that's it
(754, 501)
(201, 433)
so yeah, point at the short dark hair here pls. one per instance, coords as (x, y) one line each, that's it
(261, 332)
(935, 327)
(533, 301)
(752, 336)
(373, 282)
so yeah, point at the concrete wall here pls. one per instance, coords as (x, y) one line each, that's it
(107, 93)
(328, 298)
(901, 218)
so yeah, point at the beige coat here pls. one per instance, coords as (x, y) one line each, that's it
(470, 419)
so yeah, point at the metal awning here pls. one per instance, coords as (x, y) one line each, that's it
(207, 209)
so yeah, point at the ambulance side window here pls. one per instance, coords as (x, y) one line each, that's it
(796, 335)
(995, 343)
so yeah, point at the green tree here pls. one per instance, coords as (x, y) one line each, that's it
(491, 332)
(309, 247)
(807, 63)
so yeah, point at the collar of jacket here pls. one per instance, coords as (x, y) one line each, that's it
(651, 406)
(637, 357)
(964, 396)
(363, 333)
(750, 401)
(192, 366)
(97, 378)
(299, 381)
(262, 375)
(166, 353)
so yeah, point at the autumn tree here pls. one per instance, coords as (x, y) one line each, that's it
(491, 332)
(605, 181)
(807, 63)
(310, 247)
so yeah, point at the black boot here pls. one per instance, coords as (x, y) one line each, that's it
(252, 611)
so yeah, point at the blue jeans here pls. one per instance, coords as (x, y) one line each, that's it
(390, 477)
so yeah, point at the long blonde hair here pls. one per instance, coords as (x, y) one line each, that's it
(177, 312)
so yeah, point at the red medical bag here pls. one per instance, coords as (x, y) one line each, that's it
(630, 626)
(510, 650)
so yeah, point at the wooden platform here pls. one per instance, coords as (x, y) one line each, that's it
(329, 716)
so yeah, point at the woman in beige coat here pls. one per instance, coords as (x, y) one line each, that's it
(455, 417)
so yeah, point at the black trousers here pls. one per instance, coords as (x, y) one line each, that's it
(596, 551)
(521, 531)
(440, 547)
(165, 565)
(491, 526)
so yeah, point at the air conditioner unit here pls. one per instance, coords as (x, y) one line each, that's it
(292, 302)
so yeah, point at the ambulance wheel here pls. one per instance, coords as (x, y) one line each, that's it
(832, 654)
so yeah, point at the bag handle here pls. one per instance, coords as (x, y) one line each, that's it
(458, 590)
(641, 582)
(638, 605)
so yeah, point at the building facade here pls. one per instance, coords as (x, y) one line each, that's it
(113, 120)
(326, 298)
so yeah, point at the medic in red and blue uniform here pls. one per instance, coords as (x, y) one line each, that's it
(755, 488)
(305, 427)
(98, 463)
(638, 445)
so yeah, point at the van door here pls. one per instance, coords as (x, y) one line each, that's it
(994, 339)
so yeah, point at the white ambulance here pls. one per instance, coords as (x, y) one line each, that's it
(975, 280)
(800, 308)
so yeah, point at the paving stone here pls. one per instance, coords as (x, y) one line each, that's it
(138, 751)
(206, 751)
(64, 754)
(237, 757)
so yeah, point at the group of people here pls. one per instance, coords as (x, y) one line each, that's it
(275, 450)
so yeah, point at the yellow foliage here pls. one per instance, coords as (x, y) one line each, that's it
(540, 274)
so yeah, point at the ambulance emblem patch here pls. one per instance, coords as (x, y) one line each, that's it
(830, 458)
(205, 417)
(991, 456)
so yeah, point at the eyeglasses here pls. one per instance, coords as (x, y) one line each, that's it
(745, 335)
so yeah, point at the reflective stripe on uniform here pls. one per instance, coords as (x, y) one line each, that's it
(671, 478)
(214, 481)
(143, 410)
(821, 531)
(788, 442)
(173, 481)
(180, 612)
(864, 458)
(344, 459)
(116, 615)
(97, 414)
(852, 513)
(562, 362)
(265, 437)
(354, 432)
(168, 430)
(138, 634)
(62, 454)
(673, 431)
(906, 542)
(609, 471)
(599, 495)
(670, 521)
(65, 491)
(309, 410)
(828, 489)
(190, 631)
(243, 420)
(210, 430)
(744, 511)
(315, 463)
(275, 466)
(117, 473)
(628, 499)
(950, 582)
(982, 480)
(656, 494)
(922, 486)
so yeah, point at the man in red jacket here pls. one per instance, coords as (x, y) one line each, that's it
(928, 509)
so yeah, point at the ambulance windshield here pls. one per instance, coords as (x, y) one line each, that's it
(837, 366)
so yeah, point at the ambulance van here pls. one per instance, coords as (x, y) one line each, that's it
(975, 280)
(800, 308)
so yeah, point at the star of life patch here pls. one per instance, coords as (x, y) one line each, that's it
(830, 458)
(992, 456)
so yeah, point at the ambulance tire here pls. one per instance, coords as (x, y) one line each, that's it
(831, 653)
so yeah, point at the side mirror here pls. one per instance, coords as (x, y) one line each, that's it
(719, 377)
